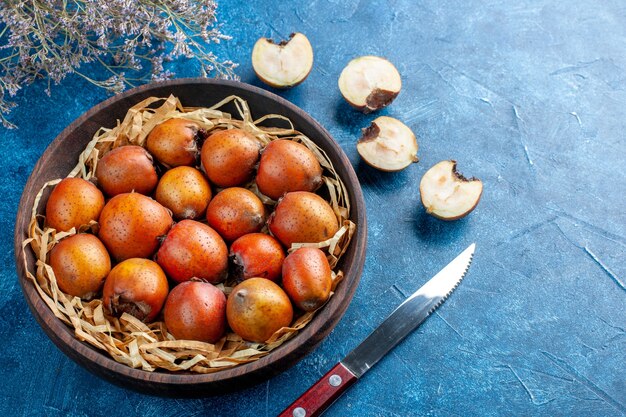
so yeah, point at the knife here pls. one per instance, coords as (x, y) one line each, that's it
(403, 320)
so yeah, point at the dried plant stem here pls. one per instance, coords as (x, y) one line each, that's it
(130, 40)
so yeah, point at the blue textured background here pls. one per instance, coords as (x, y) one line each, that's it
(530, 97)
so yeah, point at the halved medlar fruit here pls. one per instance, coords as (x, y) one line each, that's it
(369, 83)
(448, 195)
(284, 64)
(388, 144)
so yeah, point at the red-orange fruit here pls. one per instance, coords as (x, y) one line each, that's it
(174, 142)
(193, 250)
(131, 225)
(126, 169)
(256, 255)
(257, 308)
(196, 311)
(184, 191)
(234, 212)
(303, 217)
(80, 263)
(72, 203)
(229, 157)
(137, 287)
(307, 278)
(287, 166)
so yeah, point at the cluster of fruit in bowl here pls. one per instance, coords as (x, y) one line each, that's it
(163, 257)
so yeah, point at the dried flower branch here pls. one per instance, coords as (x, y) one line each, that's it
(130, 39)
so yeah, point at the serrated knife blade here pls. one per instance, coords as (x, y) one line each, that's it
(403, 320)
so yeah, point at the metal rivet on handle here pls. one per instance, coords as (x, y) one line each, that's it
(299, 412)
(335, 380)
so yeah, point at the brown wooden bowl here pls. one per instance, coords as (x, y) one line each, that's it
(62, 155)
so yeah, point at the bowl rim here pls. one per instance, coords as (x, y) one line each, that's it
(164, 382)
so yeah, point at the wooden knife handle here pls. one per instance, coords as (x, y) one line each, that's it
(322, 394)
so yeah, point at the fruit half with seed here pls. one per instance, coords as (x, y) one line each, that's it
(388, 144)
(284, 64)
(369, 83)
(448, 195)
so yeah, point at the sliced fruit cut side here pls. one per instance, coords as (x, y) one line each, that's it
(388, 144)
(448, 195)
(284, 64)
(369, 83)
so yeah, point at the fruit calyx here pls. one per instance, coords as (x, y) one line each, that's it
(236, 269)
(138, 309)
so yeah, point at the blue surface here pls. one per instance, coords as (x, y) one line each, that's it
(530, 97)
